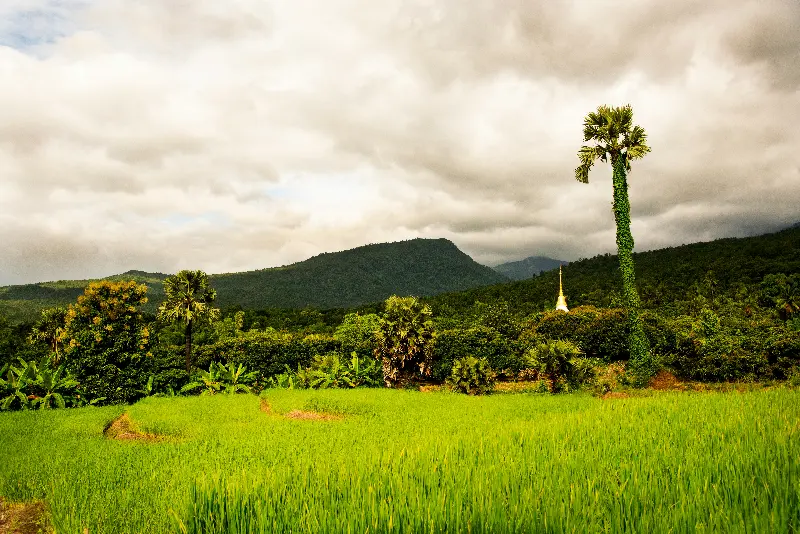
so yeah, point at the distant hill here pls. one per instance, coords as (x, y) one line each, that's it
(353, 277)
(527, 268)
(665, 277)
(358, 276)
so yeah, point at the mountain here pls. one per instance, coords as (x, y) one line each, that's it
(668, 279)
(527, 268)
(353, 277)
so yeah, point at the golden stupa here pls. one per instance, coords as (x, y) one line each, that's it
(561, 303)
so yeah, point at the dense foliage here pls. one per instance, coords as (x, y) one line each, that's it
(471, 375)
(404, 340)
(719, 311)
(350, 278)
(107, 341)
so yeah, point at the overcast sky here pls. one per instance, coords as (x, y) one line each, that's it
(241, 134)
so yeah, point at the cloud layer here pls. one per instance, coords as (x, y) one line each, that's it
(246, 134)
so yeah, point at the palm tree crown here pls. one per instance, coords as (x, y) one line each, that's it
(615, 135)
(189, 297)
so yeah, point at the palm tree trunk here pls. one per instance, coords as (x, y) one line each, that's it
(188, 338)
(640, 361)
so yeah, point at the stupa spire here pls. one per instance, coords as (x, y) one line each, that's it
(561, 303)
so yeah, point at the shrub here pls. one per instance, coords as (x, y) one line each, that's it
(783, 353)
(220, 378)
(404, 340)
(599, 333)
(502, 354)
(553, 361)
(28, 385)
(710, 352)
(357, 333)
(329, 371)
(471, 375)
(267, 353)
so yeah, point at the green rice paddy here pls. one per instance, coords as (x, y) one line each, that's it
(403, 461)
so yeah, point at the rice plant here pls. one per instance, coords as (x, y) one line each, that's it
(406, 461)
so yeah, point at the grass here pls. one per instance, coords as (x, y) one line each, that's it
(402, 461)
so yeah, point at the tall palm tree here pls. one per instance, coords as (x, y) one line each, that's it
(189, 297)
(616, 138)
(50, 329)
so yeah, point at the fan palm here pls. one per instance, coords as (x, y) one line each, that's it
(617, 139)
(189, 297)
(50, 329)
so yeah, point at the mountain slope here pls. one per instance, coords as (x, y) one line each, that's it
(527, 268)
(340, 279)
(358, 276)
(666, 278)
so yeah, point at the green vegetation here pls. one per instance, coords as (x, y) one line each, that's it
(188, 300)
(107, 341)
(617, 139)
(350, 278)
(528, 268)
(472, 376)
(404, 341)
(414, 462)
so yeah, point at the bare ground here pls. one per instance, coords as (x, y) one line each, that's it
(122, 428)
(23, 518)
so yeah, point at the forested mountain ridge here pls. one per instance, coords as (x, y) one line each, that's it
(667, 278)
(528, 267)
(352, 277)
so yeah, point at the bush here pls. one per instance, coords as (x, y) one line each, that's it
(472, 376)
(708, 351)
(553, 361)
(267, 353)
(783, 353)
(502, 354)
(599, 333)
(357, 333)
(404, 341)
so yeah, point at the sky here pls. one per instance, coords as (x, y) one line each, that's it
(162, 135)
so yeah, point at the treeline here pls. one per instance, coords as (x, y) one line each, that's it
(721, 311)
(355, 277)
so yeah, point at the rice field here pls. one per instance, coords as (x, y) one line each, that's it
(404, 461)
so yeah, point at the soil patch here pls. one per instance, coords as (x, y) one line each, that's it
(316, 416)
(23, 518)
(265, 407)
(122, 428)
(615, 395)
(665, 380)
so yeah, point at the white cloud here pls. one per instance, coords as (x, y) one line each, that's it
(245, 134)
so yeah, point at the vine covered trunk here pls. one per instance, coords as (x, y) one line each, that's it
(640, 360)
(188, 339)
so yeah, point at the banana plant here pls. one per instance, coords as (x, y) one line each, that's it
(220, 378)
(362, 374)
(52, 384)
(329, 372)
(231, 378)
(13, 387)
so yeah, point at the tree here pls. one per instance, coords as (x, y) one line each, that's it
(616, 138)
(404, 340)
(782, 292)
(50, 329)
(106, 341)
(189, 297)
